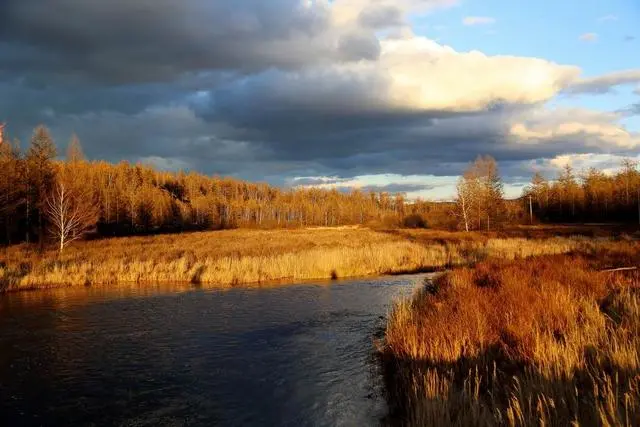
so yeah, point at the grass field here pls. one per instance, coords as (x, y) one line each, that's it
(548, 341)
(240, 257)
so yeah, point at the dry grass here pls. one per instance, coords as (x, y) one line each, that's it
(597, 231)
(230, 258)
(546, 341)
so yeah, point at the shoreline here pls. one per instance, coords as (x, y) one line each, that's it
(217, 287)
(246, 258)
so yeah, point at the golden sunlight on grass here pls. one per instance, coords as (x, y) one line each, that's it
(229, 258)
(546, 341)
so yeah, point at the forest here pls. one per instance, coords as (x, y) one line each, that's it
(44, 197)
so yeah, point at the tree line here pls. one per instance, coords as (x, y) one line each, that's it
(588, 196)
(43, 198)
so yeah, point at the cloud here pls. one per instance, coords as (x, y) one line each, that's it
(410, 75)
(589, 37)
(399, 188)
(160, 40)
(478, 20)
(608, 18)
(631, 110)
(375, 183)
(591, 128)
(164, 163)
(412, 185)
(381, 16)
(287, 88)
(605, 83)
(607, 163)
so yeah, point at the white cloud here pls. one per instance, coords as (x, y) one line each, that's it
(478, 20)
(605, 82)
(414, 186)
(425, 75)
(415, 74)
(589, 128)
(589, 37)
(425, 187)
(607, 163)
(608, 18)
(347, 12)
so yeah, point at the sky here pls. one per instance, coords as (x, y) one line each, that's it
(389, 95)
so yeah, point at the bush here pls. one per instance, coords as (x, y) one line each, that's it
(414, 221)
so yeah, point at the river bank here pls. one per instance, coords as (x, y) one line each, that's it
(553, 340)
(223, 259)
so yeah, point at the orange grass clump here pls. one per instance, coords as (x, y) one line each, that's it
(544, 341)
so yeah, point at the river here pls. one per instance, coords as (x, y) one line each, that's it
(294, 355)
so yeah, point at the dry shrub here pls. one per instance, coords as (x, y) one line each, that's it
(543, 341)
(540, 295)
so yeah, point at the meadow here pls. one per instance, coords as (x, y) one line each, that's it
(220, 259)
(548, 341)
(526, 326)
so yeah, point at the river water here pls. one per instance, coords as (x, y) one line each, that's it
(295, 355)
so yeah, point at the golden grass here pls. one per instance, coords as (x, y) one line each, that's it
(545, 341)
(237, 257)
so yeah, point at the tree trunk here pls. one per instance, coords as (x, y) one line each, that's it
(40, 231)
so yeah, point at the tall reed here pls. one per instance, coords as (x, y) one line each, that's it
(548, 341)
(229, 258)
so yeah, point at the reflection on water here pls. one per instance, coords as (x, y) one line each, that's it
(294, 355)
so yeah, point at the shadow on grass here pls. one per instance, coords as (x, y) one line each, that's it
(494, 390)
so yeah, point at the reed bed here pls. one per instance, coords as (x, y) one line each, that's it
(240, 257)
(547, 341)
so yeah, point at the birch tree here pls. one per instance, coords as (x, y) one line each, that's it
(71, 214)
(464, 202)
(479, 197)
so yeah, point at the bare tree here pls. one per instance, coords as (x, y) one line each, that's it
(71, 214)
(466, 199)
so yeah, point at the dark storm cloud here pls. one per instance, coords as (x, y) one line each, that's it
(361, 45)
(398, 188)
(342, 126)
(412, 144)
(263, 90)
(315, 181)
(151, 40)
